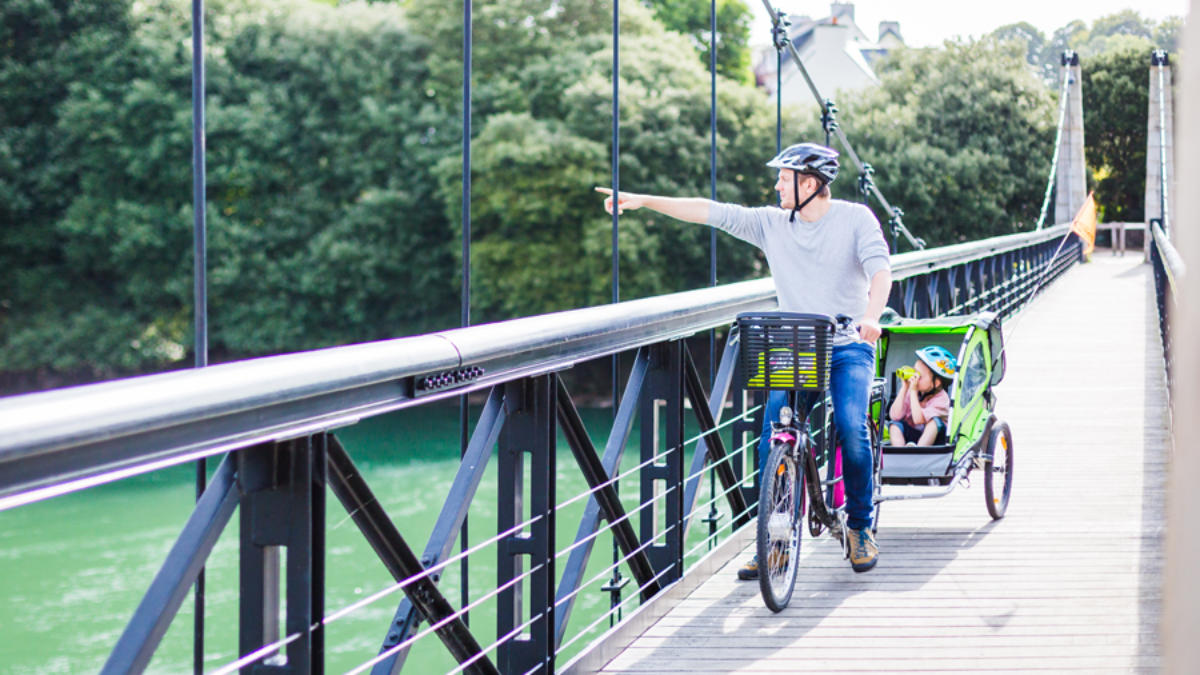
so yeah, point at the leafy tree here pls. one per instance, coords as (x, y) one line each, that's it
(665, 149)
(546, 143)
(531, 188)
(694, 19)
(960, 137)
(511, 41)
(324, 222)
(1115, 100)
(48, 50)
(1114, 53)
(1114, 32)
(1035, 44)
(323, 137)
(1167, 34)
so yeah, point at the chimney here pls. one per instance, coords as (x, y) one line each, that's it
(842, 10)
(892, 27)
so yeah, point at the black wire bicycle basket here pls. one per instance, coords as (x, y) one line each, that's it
(785, 350)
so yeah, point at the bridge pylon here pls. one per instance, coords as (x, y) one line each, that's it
(1160, 143)
(1071, 182)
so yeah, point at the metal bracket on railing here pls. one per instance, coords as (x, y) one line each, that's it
(613, 587)
(449, 379)
(894, 226)
(779, 30)
(829, 119)
(866, 181)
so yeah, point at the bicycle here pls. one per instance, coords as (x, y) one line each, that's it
(792, 352)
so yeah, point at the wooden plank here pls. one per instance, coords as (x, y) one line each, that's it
(1068, 581)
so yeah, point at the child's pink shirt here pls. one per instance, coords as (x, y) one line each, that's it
(937, 405)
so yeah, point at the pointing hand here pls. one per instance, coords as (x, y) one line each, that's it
(628, 201)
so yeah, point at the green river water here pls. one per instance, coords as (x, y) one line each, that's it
(74, 568)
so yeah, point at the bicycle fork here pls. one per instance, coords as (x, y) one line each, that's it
(803, 449)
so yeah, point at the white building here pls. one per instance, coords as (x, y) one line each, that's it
(836, 52)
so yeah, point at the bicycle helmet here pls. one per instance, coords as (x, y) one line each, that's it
(940, 361)
(809, 159)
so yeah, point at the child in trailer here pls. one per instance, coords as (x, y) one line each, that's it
(921, 409)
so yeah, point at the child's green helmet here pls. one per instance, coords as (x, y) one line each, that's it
(940, 360)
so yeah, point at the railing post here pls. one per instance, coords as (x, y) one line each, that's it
(741, 431)
(530, 437)
(662, 431)
(1160, 144)
(279, 518)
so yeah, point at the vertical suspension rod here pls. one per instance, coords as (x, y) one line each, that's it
(712, 234)
(615, 583)
(199, 280)
(464, 535)
(712, 170)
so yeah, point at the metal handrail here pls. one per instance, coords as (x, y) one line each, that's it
(1173, 263)
(913, 263)
(53, 442)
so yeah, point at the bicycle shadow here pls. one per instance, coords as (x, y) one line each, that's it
(724, 621)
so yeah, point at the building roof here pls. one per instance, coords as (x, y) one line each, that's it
(835, 50)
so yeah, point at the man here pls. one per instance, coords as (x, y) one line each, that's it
(831, 259)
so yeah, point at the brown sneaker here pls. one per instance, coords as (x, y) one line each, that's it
(864, 553)
(749, 571)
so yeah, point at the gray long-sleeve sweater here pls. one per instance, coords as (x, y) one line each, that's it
(824, 266)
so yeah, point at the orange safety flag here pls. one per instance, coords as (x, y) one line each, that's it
(1084, 224)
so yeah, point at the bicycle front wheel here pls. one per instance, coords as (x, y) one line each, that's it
(779, 518)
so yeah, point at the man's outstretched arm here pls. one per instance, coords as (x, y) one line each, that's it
(690, 209)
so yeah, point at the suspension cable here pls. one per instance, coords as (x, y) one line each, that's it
(896, 214)
(1062, 118)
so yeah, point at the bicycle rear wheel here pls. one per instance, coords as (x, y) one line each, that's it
(998, 471)
(779, 527)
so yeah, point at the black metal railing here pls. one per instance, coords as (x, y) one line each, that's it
(271, 421)
(996, 274)
(1169, 270)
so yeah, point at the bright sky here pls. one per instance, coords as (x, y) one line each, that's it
(926, 23)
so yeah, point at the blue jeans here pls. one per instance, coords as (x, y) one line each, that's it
(852, 369)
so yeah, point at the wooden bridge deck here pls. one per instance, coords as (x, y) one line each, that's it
(1069, 580)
